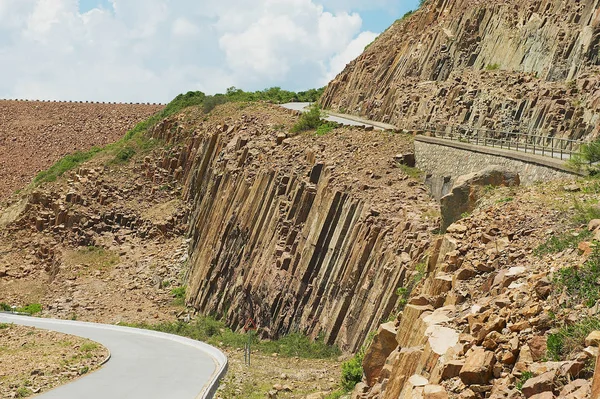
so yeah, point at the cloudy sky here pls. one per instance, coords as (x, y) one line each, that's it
(151, 50)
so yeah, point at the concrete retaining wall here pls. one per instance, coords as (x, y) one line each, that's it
(445, 160)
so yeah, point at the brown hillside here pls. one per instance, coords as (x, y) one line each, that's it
(34, 135)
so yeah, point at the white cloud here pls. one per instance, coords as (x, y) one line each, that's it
(151, 50)
(353, 50)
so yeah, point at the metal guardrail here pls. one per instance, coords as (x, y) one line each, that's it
(554, 147)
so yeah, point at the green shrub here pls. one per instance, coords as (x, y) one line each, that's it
(309, 120)
(179, 295)
(352, 371)
(588, 155)
(4, 326)
(570, 339)
(582, 283)
(5, 307)
(492, 67)
(30, 309)
(560, 242)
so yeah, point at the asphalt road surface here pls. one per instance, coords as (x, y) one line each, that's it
(331, 118)
(143, 364)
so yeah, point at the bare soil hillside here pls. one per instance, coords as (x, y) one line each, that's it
(34, 135)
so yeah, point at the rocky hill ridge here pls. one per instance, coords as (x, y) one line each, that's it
(522, 65)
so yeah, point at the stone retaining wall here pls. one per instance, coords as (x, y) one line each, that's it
(444, 161)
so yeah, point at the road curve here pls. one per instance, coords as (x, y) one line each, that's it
(143, 364)
(339, 118)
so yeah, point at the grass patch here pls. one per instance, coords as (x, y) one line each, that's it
(214, 332)
(411, 172)
(325, 128)
(30, 309)
(492, 67)
(4, 326)
(584, 212)
(23, 392)
(95, 257)
(570, 339)
(88, 347)
(65, 164)
(523, 379)
(5, 307)
(582, 283)
(179, 295)
(561, 242)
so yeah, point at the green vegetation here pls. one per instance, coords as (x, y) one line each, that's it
(84, 370)
(582, 283)
(570, 339)
(492, 67)
(95, 257)
(4, 326)
(23, 392)
(523, 379)
(5, 307)
(505, 200)
(65, 164)
(325, 128)
(179, 295)
(587, 158)
(135, 140)
(560, 242)
(336, 394)
(88, 347)
(584, 212)
(411, 172)
(352, 371)
(30, 309)
(214, 332)
(309, 120)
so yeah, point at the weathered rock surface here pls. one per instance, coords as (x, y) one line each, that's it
(468, 189)
(525, 65)
(294, 235)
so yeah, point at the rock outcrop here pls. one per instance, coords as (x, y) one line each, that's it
(469, 188)
(518, 65)
(296, 233)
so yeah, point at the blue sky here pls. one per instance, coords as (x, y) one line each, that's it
(151, 50)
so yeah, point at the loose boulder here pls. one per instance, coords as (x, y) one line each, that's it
(467, 191)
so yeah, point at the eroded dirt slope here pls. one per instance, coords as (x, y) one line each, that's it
(34, 135)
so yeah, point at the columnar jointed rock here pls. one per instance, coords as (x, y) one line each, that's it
(525, 65)
(282, 232)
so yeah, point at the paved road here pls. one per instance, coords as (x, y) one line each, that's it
(357, 121)
(144, 364)
(331, 118)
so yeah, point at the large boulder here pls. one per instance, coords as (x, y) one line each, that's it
(383, 344)
(467, 190)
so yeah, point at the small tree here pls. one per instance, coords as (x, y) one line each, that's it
(588, 157)
(309, 120)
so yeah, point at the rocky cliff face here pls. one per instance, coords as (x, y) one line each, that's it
(522, 65)
(301, 233)
(485, 320)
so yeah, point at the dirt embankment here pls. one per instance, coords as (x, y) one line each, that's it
(59, 358)
(34, 135)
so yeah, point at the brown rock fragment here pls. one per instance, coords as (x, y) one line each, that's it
(539, 384)
(478, 367)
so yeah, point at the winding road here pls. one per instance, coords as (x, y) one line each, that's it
(143, 364)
